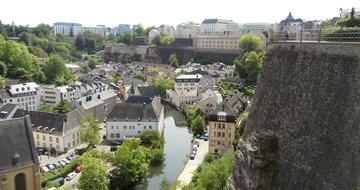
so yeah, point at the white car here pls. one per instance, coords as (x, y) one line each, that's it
(62, 163)
(66, 161)
(70, 176)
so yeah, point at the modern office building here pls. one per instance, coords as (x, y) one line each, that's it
(68, 29)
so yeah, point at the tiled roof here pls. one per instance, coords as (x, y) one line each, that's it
(16, 140)
(133, 112)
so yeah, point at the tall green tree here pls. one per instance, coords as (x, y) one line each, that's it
(26, 37)
(249, 42)
(3, 69)
(92, 63)
(80, 42)
(126, 38)
(249, 66)
(131, 165)
(94, 176)
(198, 126)
(54, 68)
(42, 30)
(89, 130)
(173, 61)
(140, 31)
(162, 84)
(62, 107)
(166, 40)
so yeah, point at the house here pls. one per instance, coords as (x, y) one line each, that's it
(99, 104)
(51, 95)
(19, 164)
(54, 130)
(237, 102)
(26, 95)
(222, 129)
(129, 119)
(7, 111)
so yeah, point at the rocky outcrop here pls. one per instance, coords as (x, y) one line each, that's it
(308, 96)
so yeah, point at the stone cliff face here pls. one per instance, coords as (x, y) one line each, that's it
(305, 119)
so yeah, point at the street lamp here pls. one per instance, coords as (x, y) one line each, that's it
(340, 11)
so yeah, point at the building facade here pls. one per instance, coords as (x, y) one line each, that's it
(68, 29)
(168, 30)
(222, 129)
(51, 95)
(54, 130)
(128, 120)
(256, 27)
(19, 166)
(214, 25)
(187, 30)
(26, 95)
(122, 28)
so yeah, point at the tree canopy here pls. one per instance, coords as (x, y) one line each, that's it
(249, 66)
(249, 42)
(89, 130)
(54, 68)
(62, 107)
(162, 84)
(173, 60)
(94, 176)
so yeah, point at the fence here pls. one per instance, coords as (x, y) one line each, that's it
(318, 35)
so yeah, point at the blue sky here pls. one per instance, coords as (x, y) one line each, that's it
(157, 12)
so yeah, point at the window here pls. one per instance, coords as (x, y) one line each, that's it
(77, 134)
(57, 140)
(69, 145)
(37, 143)
(125, 127)
(44, 144)
(50, 139)
(51, 145)
(117, 135)
(150, 127)
(44, 137)
(57, 147)
(37, 136)
(20, 182)
(145, 127)
(112, 135)
(223, 126)
(112, 127)
(74, 136)
(229, 135)
(138, 131)
(78, 141)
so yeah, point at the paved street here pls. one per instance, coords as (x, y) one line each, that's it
(191, 165)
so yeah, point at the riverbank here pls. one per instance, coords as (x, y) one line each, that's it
(191, 165)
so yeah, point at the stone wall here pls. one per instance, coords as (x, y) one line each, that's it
(308, 95)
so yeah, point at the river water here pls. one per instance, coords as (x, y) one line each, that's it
(177, 146)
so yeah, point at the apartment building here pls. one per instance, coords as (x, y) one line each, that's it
(26, 95)
(51, 95)
(68, 29)
(187, 30)
(222, 129)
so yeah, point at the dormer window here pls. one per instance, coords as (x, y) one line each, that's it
(221, 116)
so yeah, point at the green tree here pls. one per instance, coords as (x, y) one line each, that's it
(45, 108)
(54, 68)
(139, 76)
(85, 68)
(249, 66)
(116, 79)
(94, 176)
(126, 38)
(26, 37)
(152, 139)
(208, 158)
(131, 165)
(62, 107)
(89, 130)
(42, 30)
(3, 69)
(92, 63)
(173, 60)
(162, 84)
(249, 42)
(38, 52)
(140, 31)
(80, 42)
(2, 82)
(165, 184)
(51, 184)
(166, 40)
(198, 126)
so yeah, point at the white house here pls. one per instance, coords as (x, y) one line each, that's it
(26, 95)
(130, 119)
(51, 95)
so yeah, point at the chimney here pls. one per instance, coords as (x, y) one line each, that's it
(98, 96)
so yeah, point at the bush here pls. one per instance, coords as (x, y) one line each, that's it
(152, 139)
(208, 158)
(48, 177)
(157, 156)
(51, 184)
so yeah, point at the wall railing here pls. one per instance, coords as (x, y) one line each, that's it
(316, 35)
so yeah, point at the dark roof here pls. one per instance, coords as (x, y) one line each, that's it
(210, 21)
(223, 107)
(149, 91)
(6, 110)
(197, 71)
(289, 19)
(4, 94)
(139, 99)
(16, 138)
(133, 112)
(207, 79)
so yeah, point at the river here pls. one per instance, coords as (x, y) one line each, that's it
(177, 146)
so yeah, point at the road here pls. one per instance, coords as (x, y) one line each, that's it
(191, 165)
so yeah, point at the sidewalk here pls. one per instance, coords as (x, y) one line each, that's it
(191, 165)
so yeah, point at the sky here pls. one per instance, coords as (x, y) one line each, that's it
(156, 12)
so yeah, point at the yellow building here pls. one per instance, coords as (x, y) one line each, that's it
(19, 164)
(222, 128)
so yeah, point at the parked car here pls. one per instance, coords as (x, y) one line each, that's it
(62, 163)
(43, 169)
(194, 148)
(59, 180)
(70, 176)
(57, 165)
(66, 161)
(206, 136)
(194, 152)
(50, 166)
(192, 156)
(196, 143)
(115, 143)
(113, 148)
